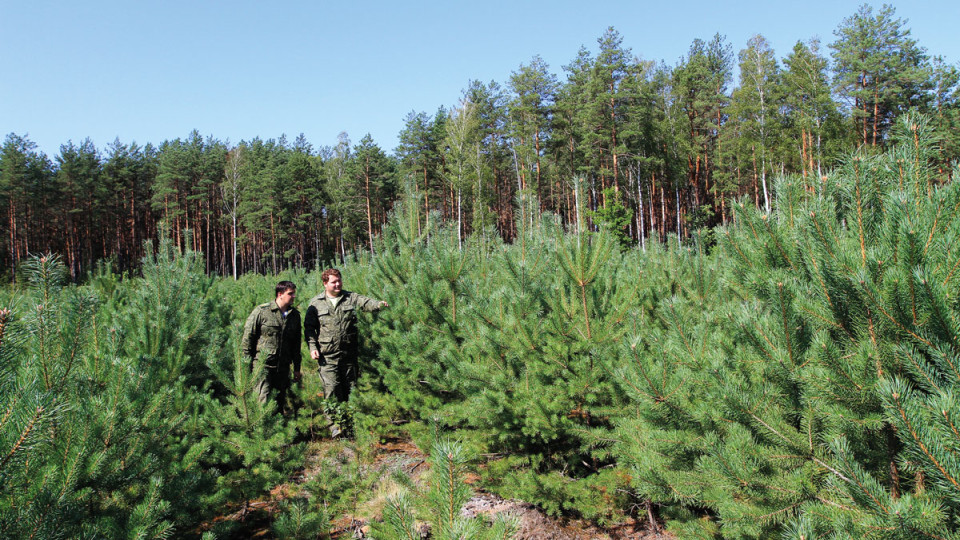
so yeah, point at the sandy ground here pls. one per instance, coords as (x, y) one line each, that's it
(403, 455)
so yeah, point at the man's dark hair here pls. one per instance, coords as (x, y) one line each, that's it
(325, 276)
(285, 286)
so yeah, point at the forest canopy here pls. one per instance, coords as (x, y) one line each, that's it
(672, 145)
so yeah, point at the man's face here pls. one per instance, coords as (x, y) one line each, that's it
(333, 286)
(286, 298)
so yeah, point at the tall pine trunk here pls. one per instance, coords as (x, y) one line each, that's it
(366, 187)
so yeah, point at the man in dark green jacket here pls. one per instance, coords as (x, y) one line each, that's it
(330, 329)
(272, 336)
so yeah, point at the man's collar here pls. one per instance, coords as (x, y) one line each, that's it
(276, 307)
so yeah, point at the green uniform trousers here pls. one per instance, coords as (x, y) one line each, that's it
(275, 383)
(339, 371)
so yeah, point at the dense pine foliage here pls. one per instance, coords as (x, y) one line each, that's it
(640, 147)
(792, 373)
(632, 293)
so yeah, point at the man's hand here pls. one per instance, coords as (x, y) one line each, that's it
(315, 355)
(297, 376)
(383, 304)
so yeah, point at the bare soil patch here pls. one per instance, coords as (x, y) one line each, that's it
(403, 455)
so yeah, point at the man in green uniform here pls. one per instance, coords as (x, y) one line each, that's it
(330, 329)
(272, 335)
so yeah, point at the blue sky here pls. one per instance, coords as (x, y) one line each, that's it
(151, 71)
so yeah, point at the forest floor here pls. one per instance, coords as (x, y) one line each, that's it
(401, 455)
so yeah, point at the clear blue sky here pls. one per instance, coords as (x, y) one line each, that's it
(151, 71)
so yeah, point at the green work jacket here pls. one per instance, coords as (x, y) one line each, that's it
(330, 328)
(272, 338)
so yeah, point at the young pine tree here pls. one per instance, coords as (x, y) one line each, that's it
(812, 395)
(250, 443)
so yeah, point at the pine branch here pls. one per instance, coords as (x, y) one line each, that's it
(4, 321)
(901, 411)
(24, 435)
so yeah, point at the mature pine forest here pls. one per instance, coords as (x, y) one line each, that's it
(637, 146)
